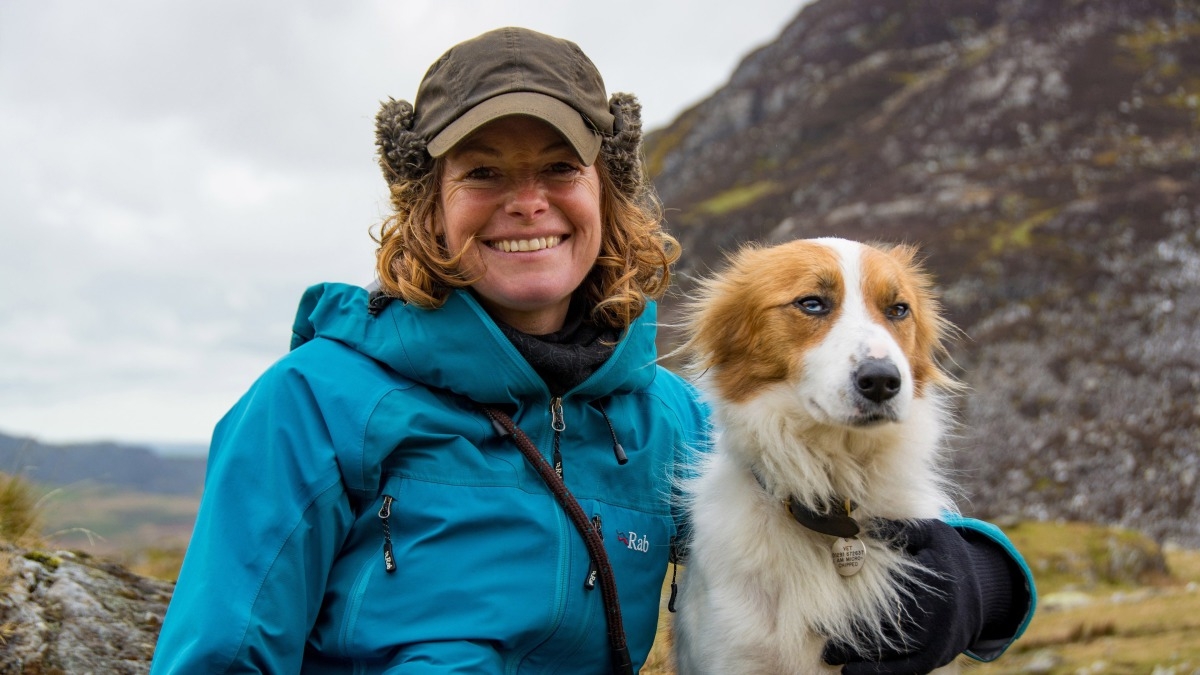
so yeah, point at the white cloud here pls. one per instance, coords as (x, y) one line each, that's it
(176, 173)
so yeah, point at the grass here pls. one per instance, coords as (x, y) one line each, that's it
(146, 533)
(1092, 620)
(19, 513)
(128, 518)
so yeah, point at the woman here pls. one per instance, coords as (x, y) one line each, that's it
(369, 505)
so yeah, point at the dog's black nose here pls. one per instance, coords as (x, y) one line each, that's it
(877, 380)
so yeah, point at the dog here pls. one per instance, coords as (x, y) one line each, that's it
(821, 359)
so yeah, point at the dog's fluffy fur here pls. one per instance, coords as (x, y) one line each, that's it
(777, 341)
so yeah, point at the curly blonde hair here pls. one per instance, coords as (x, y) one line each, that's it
(636, 253)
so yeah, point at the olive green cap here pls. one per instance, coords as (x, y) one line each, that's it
(513, 71)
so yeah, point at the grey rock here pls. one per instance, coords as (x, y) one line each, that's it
(62, 612)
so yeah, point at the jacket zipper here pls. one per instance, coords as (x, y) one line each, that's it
(558, 424)
(385, 514)
(593, 570)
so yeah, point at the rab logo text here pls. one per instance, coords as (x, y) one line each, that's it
(633, 542)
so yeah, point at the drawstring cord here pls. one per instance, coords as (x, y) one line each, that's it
(506, 428)
(674, 588)
(619, 451)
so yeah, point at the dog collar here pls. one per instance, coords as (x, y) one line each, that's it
(829, 522)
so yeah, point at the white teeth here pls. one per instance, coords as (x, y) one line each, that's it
(510, 245)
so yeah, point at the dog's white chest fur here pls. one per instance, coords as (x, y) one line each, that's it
(819, 362)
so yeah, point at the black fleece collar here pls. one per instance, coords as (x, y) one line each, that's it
(569, 355)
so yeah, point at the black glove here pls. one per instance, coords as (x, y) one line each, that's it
(945, 611)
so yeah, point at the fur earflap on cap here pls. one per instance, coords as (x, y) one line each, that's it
(622, 151)
(402, 153)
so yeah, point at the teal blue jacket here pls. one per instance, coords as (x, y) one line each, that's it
(286, 570)
(360, 514)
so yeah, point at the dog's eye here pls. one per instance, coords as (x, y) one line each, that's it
(897, 311)
(812, 305)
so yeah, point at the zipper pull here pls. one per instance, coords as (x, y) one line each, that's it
(618, 451)
(593, 569)
(559, 424)
(385, 512)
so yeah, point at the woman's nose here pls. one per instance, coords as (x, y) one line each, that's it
(527, 197)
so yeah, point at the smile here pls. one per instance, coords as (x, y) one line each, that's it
(521, 245)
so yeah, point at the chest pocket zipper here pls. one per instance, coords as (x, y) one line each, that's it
(589, 583)
(385, 515)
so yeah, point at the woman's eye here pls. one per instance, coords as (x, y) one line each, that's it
(480, 173)
(812, 305)
(897, 311)
(563, 169)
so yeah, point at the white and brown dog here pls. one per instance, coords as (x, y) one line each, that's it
(821, 361)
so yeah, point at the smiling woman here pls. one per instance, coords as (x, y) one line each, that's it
(559, 110)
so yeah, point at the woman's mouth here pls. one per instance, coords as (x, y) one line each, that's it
(522, 245)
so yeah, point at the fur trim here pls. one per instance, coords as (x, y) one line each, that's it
(622, 151)
(402, 153)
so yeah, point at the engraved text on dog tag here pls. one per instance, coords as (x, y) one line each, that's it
(848, 555)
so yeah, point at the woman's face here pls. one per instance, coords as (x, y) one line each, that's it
(531, 211)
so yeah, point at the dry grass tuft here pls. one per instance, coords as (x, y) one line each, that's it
(20, 514)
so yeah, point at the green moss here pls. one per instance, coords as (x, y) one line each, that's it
(735, 198)
(1155, 35)
(50, 561)
(1143, 46)
(1020, 235)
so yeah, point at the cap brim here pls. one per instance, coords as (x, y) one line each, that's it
(557, 114)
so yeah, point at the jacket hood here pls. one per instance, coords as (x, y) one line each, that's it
(458, 346)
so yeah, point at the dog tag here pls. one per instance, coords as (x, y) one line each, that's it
(848, 555)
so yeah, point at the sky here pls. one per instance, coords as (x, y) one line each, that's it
(173, 175)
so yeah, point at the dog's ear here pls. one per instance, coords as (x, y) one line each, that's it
(933, 330)
(729, 332)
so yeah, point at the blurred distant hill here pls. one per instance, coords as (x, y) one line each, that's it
(1046, 157)
(126, 467)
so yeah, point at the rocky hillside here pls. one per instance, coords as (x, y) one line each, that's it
(1045, 157)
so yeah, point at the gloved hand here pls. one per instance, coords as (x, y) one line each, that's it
(943, 614)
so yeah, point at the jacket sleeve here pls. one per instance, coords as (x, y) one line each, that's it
(272, 518)
(1025, 598)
